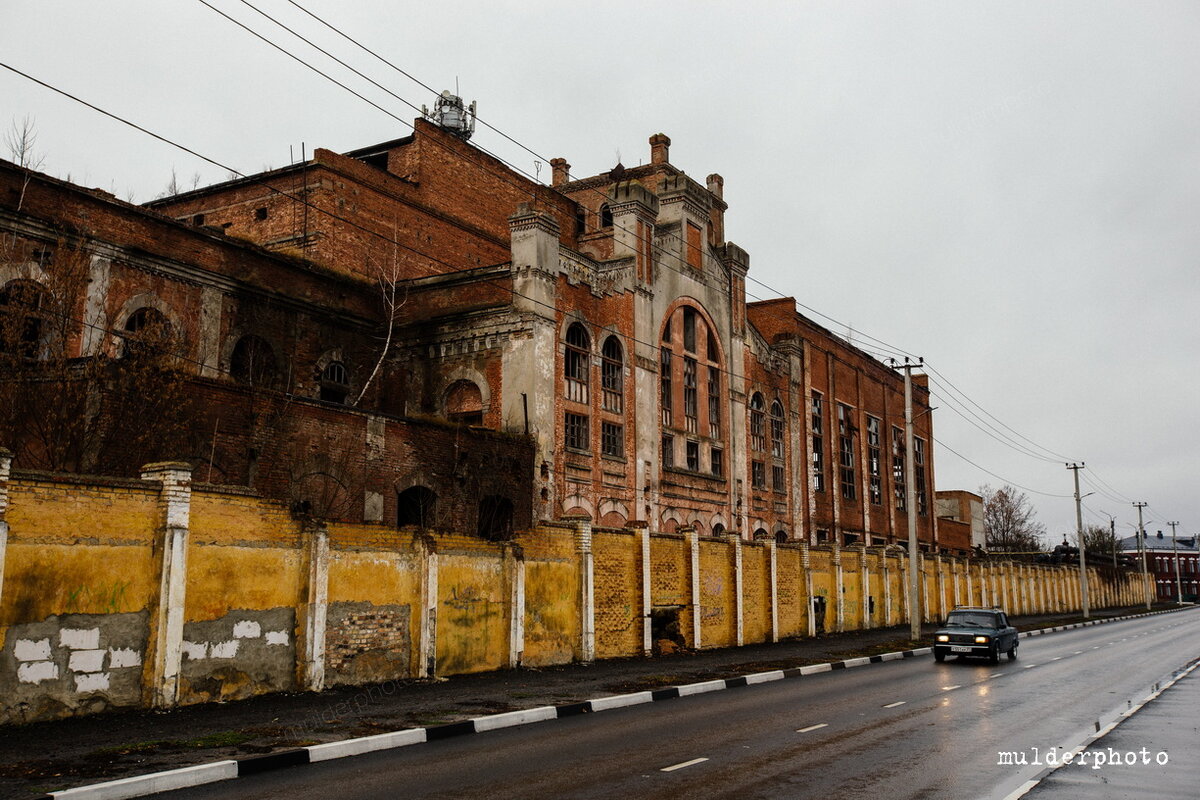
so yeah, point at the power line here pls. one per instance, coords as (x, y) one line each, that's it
(880, 342)
(994, 475)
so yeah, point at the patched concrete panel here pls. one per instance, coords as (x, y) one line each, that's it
(229, 658)
(365, 643)
(72, 664)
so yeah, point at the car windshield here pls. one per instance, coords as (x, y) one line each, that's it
(971, 620)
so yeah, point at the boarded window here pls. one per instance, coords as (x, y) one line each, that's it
(464, 403)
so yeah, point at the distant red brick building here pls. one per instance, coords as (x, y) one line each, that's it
(604, 318)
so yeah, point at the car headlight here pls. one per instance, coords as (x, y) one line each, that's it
(943, 637)
(981, 640)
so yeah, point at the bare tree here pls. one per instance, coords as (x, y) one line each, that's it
(1009, 521)
(393, 296)
(60, 411)
(1099, 541)
(21, 140)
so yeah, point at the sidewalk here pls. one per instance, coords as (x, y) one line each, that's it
(49, 756)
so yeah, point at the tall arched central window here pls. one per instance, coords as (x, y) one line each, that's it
(690, 382)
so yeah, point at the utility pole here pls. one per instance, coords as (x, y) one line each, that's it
(1112, 529)
(1142, 549)
(914, 595)
(1083, 587)
(1175, 553)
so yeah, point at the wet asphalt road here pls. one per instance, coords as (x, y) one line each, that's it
(900, 729)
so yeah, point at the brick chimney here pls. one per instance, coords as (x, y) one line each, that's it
(716, 185)
(562, 171)
(660, 143)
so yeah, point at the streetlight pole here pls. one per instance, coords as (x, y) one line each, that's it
(910, 500)
(1175, 553)
(1083, 587)
(1142, 549)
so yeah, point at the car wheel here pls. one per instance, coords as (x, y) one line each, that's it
(993, 655)
(939, 656)
(1012, 652)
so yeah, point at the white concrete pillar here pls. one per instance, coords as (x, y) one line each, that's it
(6, 458)
(886, 579)
(738, 588)
(514, 563)
(806, 567)
(839, 594)
(316, 607)
(693, 544)
(175, 501)
(587, 590)
(427, 642)
(864, 581)
(773, 577)
(643, 529)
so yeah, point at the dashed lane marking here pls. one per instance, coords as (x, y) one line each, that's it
(691, 763)
(1030, 666)
(897, 703)
(813, 727)
(950, 688)
(1057, 658)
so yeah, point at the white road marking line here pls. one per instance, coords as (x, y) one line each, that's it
(897, 703)
(1030, 666)
(813, 727)
(949, 688)
(1077, 652)
(691, 763)
(1057, 658)
(995, 675)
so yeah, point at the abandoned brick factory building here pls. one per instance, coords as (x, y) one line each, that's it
(415, 334)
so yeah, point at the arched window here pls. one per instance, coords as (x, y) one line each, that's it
(760, 534)
(253, 361)
(781, 537)
(605, 216)
(575, 364)
(580, 221)
(495, 518)
(464, 403)
(612, 375)
(335, 383)
(147, 333)
(690, 380)
(24, 319)
(758, 437)
(777, 438)
(718, 530)
(416, 506)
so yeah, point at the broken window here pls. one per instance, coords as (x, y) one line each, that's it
(612, 375)
(464, 403)
(575, 365)
(335, 384)
(24, 310)
(416, 506)
(253, 361)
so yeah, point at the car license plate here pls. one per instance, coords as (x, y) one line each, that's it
(960, 649)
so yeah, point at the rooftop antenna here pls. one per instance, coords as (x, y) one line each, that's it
(450, 114)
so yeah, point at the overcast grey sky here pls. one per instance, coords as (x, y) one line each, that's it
(1010, 190)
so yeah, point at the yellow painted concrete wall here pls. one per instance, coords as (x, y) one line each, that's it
(552, 596)
(83, 562)
(793, 603)
(670, 579)
(718, 606)
(756, 594)
(618, 571)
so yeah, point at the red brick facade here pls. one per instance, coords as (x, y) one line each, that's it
(601, 322)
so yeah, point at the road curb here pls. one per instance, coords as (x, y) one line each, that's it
(1132, 706)
(182, 778)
